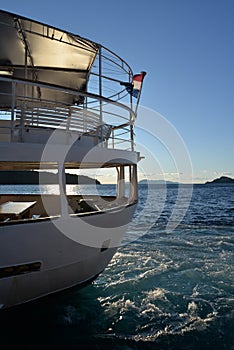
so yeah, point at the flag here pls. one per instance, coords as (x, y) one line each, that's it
(134, 88)
(137, 81)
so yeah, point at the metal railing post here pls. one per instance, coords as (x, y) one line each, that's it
(132, 136)
(13, 109)
(100, 94)
(113, 138)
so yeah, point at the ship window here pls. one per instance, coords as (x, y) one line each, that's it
(15, 270)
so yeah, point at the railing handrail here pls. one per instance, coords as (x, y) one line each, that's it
(68, 90)
(36, 111)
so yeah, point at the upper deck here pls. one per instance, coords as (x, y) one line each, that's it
(52, 80)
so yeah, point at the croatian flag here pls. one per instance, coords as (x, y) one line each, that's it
(137, 81)
(134, 88)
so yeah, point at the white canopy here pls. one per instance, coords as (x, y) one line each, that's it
(38, 52)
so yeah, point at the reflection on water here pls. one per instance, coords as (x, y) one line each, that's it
(109, 190)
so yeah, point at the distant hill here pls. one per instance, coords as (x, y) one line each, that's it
(32, 178)
(223, 180)
(157, 182)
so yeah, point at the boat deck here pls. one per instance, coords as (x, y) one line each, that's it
(30, 207)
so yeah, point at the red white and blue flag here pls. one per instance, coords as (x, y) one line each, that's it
(137, 81)
(134, 88)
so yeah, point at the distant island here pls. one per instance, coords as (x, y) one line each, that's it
(29, 177)
(157, 182)
(223, 180)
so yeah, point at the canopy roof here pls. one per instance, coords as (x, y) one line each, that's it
(36, 51)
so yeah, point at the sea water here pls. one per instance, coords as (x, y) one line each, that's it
(163, 290)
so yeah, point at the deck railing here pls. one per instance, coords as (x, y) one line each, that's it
(99, 116)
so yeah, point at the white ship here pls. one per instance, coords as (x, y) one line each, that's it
(65, 103)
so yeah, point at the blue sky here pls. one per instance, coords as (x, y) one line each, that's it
(187, 49)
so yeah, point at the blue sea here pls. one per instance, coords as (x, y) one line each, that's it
(166, 289)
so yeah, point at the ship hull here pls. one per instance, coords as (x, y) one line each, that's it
(38, 258)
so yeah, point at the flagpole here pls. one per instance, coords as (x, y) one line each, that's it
(129, 87)
(131, 122)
